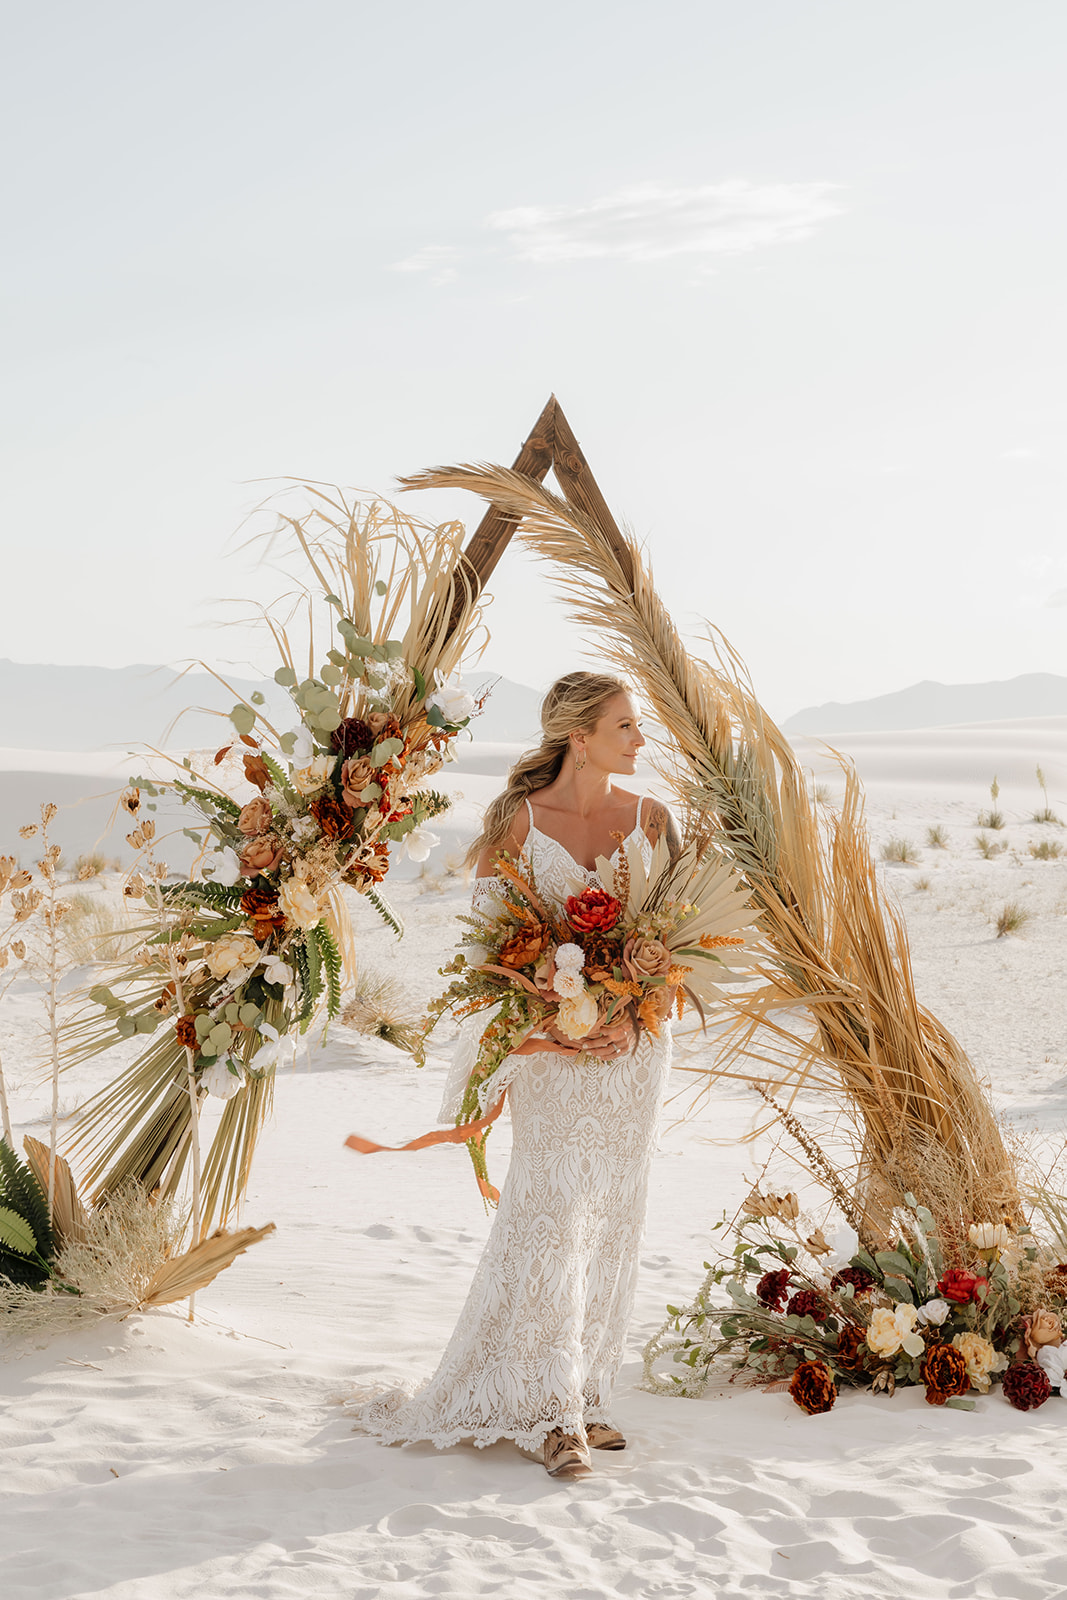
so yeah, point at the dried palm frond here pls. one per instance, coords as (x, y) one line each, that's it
(835, 947)
(69, 1217)
(187, 1274)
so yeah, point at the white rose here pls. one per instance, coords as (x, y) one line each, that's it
(577, 1017)
(303, 747)
(418, 843)
(223, 1078)
(268, 1053)
(299, 904)
(312, 776)
(452, 701)
(227, 867)
(934, 1312)
(275, 970)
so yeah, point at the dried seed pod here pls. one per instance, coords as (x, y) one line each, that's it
(130, 801)
(48, 813)
(28, 831)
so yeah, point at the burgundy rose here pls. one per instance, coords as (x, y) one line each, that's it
(851, 1347)
(860, 1279)
(1026, 1386)
(593, 911)
(772, 1288)
(960, 1287)
(807, 1303)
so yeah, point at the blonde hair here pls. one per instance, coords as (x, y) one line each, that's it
(574, 704)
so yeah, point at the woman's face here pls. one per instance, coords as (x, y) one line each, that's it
(613, 743)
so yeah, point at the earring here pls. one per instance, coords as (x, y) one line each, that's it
(580, 758)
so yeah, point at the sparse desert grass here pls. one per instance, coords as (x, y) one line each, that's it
(991, 819)
(822, 794)
(95, 932)
(1047, 850)
(1012, 917)
(937, 837)
(900, 850)
(379, 1008)
(90, 866)
(923, 884)
(989, 848)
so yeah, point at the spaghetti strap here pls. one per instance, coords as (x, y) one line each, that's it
(529, 813)
(640, 808)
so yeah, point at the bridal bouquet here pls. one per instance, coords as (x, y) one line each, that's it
(610, 964)
(252, 944)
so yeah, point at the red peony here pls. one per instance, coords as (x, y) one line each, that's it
(813, 1388)
(860, 1279)
(1027, 1386)
(772, 1288)
(807, 1303)
(593, 911)
(961, 1287)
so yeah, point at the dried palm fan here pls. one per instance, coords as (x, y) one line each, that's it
(835, 948)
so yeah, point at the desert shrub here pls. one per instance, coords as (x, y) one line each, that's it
(96, 932)
(901, 850)
(1047, 850)
(923, 884)
(937, 837)
(989, 848)
(90, 866)
(1012, 917)
(991, 819)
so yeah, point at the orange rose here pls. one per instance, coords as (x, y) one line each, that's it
(645, 958)
(525, 947)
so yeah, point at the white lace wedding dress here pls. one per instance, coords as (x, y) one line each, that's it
(539, 1342)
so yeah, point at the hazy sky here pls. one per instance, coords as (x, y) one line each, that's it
(795, 271)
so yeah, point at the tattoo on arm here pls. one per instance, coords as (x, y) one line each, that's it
(661, 825)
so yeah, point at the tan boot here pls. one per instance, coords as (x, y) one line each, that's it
(601, 1436)
(566, 1455)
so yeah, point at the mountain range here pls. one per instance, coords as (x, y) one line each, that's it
(938, 705)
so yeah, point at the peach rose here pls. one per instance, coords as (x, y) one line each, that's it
(357, 774)
(1043, 1328)
(645, 958)
(261, 854)
(256, 817)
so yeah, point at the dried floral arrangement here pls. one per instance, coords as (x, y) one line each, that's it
(254, 944)
(951, 1309)
(615, 963)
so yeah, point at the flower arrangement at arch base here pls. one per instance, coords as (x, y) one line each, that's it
(885, 1318)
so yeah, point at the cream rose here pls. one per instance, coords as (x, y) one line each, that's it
(312, 777)
(891, 1331)
(577, 1016)
(982, 1360)
(231, 951)
(299, 904)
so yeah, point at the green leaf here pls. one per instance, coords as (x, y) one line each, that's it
(288, 743)
(384, 750)
(380, 587)
(329, 719)
(191, 833)
(373, 791)
(285, 678)
(958, 1403)
(243, 718)
(420, 682)
(16, 1233)
(257, 699)
(893, 1264)
(331, 674)
(333, 600)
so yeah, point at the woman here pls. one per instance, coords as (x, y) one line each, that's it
(537, 1348)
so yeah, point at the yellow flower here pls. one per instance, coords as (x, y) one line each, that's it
(982, 1360)
(313, 776)
(231, 951)
(891, 1331)
(299, 904)
(578, 1016)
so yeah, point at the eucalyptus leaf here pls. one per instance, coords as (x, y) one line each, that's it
(243, 718)
(285, 678)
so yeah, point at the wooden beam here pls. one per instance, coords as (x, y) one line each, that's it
(572, 473)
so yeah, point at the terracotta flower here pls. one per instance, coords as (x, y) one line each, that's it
(383, 726)
(333, 818)
(261, 854)
(961, 1287)
(185, 1032)
(256, 770)
(524, 947)
(851, 1347)
(1026, 1386)
(593, 911)
(356, 775)
(352, 736)
(256, 817)
(368, 864)
(260, 906)
(772, 1288)
(601, 957)
(944, 1372)
(813, 1388)
(645, 958)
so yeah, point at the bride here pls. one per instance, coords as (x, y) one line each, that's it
(538, 1345)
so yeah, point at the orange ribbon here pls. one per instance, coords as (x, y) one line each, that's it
(460, 1135)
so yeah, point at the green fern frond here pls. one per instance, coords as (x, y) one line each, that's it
(16, 1233)
(222, 896)
(331, 965)
(207, 799)
(21, 1195)
(385, 911)
(430, 803)
(279, 776)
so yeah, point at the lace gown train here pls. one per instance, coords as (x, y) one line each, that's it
(540, 1339)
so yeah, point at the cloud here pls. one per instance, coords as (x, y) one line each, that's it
(435, 259)
(650, 222)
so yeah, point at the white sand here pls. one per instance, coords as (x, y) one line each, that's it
(150, 1458)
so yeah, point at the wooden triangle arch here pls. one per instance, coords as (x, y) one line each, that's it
(550, 446)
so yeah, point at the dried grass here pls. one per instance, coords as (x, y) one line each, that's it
(834, 946)
(1011, 918)
(989, 848)
(1047, 850)
(937, 837)
(902, 851)
(378, 1008)
(97, 933)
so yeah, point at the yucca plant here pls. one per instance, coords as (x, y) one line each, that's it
(1046, 813)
